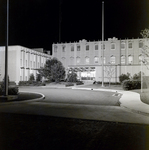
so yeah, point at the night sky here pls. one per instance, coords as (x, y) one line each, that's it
(35, 23)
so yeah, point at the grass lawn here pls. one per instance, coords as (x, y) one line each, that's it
(25, 132)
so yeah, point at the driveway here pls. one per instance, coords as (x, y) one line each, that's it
(70, 103)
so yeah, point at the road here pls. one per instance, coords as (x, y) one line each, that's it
(81, 104)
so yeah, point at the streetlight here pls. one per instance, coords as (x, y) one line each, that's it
(6, 52)
(102, 44)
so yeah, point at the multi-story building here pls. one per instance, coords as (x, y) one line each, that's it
(22, 62)
(85, 57)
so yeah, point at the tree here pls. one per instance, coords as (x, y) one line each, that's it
(53, 70)
(145, 48)
(57, 71)
(31, 77)
(38, 77)
(109, 70)
(71, 76)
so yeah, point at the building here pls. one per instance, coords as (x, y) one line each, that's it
(22, 62)
(85, 57)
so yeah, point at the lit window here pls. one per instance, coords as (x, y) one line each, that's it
(87, 47)
(78, 47)
(112, 60)
(122, 45)
(63, 48)
(130, 59)
(122, 59)
(72, 48)
(96, 59)
(140, 44)
(112, 46)
(96, 47)
(78, 60)
(130, 45)
(87, 60)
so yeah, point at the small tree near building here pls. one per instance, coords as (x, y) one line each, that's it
(53, 70)
(109, 70)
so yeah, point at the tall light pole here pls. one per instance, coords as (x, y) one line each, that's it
(6, 52)
(102, 44)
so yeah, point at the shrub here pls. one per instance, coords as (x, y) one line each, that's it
(13, 90)
(131, 84)
(123, 77)
(31, 78)
(38, 77)
(79, 83)
(137, 76)
(69, 84)
(72, 77)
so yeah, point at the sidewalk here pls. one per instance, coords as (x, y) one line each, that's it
(129, 100)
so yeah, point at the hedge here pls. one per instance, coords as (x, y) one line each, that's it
(11, 90)
(131, 84)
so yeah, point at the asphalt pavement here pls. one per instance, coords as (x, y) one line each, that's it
(127, 111)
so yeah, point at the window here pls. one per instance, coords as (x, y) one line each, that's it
(104, 60)
(96, 59)
(78, 60)
(78, 47)
(71, 60)
(122, 59)
(26, 63)
(72, 48)
(140, 44)
(112, 46)
(55, 48)
(96, 47)
(21, 62)
(63, 48)
(122, 45)
(140, 58)
(130, 45)
(87, 47)
(87, 60)
(102, 46)
(112, 60)
(130, 59)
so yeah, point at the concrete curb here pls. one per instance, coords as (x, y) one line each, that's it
(25, 101)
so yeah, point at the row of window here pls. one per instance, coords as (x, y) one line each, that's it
(31, 64)
(96, 59)
(113, 47)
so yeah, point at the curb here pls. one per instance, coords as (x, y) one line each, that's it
(25, 101)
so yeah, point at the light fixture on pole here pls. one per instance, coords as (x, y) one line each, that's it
(6, 52)
(102, 44)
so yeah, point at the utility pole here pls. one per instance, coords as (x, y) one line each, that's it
(102, 44)
(6, 52)
(60, 19)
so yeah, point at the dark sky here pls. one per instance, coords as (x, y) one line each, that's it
(35, 23)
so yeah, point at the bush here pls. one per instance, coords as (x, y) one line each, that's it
(123, 77)
(31, 83)
(31, 77)
(11, 90)
(131, 84)
(69, 84)
(79, 83)
(137, 76)
(72, 77)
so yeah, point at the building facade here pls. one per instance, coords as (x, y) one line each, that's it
(22, 62)
(86, 58)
